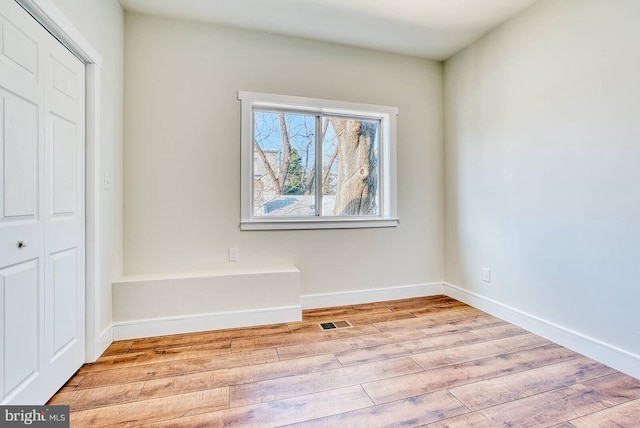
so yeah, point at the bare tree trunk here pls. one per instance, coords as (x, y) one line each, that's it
(332, 159)
(357, 181)
(306, 166)
(309, 186)
(286, 154)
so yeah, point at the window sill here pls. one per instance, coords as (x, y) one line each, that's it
(318, 224)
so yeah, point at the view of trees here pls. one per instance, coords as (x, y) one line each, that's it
(286, 146)
(357, 167)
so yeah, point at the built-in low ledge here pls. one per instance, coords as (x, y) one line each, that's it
(156, 305)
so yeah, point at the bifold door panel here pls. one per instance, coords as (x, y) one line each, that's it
(41, 210)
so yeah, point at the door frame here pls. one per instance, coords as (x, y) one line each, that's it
(54, 21)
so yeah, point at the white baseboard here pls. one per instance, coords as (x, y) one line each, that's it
(326, 300)
(253, 317)
(610, 355)
(203, 322)
(106, 339)
(96, 348)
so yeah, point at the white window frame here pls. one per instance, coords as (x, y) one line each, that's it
(387, 181)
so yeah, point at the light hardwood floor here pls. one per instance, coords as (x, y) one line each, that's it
(430, 361)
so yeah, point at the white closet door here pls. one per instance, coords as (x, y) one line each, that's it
(41, 210)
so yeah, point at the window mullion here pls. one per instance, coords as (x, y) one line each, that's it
(318, 167)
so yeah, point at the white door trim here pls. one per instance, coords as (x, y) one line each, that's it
(51, 18)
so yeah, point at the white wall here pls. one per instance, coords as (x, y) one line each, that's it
(182, 154)
(101, 22)
(542, 148)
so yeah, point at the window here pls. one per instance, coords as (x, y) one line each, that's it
(314, 164)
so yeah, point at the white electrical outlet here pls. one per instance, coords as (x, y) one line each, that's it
(234, 254)
(486, 275)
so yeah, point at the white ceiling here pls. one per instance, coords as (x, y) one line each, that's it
(433, 29)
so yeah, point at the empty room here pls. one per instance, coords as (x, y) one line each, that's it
(320, 213)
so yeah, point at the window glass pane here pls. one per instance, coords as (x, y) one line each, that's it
(284, 164)
(350, 167)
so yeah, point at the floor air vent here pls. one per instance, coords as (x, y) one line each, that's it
(334, 325)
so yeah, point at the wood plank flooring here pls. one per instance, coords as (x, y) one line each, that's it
(432, 362)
